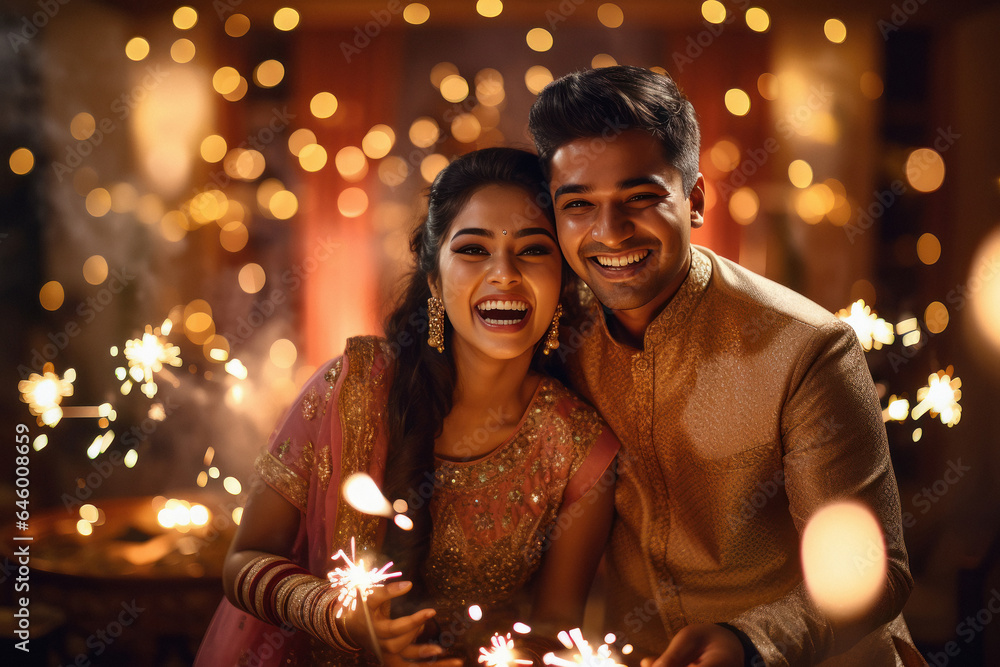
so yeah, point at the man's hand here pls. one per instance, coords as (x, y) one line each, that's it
(701, 645)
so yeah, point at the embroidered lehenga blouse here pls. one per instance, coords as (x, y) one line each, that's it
(490, 516)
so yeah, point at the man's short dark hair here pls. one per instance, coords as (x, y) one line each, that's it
(596, 102)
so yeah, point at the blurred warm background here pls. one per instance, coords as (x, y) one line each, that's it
(198, 204)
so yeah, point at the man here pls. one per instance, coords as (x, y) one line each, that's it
(724, 388)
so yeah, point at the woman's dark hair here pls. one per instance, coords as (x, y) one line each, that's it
(423, 380)
(607, 101)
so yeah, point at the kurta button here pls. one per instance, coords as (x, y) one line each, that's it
(641, 364)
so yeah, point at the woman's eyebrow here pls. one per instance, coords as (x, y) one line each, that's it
(531, 231)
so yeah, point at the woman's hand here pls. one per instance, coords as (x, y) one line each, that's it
(395, 635)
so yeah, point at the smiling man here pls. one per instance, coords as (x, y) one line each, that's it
(723, 387)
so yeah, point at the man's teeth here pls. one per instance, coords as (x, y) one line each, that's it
(619, 261)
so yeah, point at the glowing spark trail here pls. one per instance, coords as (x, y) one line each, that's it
(501, 653)
(871, 329)
(43, 393)
(940, 397)
(585, 656)
(146, 356)
(356, 580)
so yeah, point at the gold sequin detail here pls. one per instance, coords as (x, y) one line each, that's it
(330, 377)
(491, 516)
(360, 417)
(310, 403)
(283, 479)
(324, 468)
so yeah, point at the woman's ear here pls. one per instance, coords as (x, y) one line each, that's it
(432, 284)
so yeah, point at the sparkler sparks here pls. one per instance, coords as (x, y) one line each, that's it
(940, 397)
(500, 653)
(585, 656)
(872, 330)
(43, 393)
(355, 580)
(146, 356)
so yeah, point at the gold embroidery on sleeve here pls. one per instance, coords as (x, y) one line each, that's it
(283, 480)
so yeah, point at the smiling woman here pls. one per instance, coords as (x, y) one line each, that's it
(506, 475)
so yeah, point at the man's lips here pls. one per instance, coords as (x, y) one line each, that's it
(619, 260)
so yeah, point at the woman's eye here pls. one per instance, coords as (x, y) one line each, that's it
(471, 250)
(537, 250)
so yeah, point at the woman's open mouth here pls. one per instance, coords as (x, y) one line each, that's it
(497, 313)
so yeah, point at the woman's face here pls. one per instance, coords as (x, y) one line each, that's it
(499, 273)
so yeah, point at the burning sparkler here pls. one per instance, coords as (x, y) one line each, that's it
(43, 393)
(146, 356)
(871, 329)
(500, 653)
(940, 397)
(358, 582)
(585, 655)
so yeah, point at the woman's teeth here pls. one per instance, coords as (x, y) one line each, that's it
(501, 313)
(620, 261)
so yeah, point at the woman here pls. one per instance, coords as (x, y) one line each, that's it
(505, 472)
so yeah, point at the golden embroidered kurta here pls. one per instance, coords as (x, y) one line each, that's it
(490, 516)
(747, 409)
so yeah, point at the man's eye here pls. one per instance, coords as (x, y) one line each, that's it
(576, 203)
(644, 196)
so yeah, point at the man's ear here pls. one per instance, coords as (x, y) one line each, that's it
(697, 201)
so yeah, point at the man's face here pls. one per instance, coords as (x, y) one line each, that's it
(624, 223)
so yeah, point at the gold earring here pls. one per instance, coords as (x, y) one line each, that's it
(435, 323)
(552, 337)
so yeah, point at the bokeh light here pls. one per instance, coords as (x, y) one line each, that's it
(466, 128)
(51, 296)
(539, 39)
(378, 141)
(489, 8)
(21, 161)
(312, 157)
(283, 353)
(95, 269)
(98, 202)
(269, 74)
(713, 11)
(758, 19)
(872, 85)
(928, 248)
(936, 317)
(440, 71)
(603, 60)
(454, 88)
(185, 18)
(299, 139)
(213, 148)
(737, 102)
(925, 169)
(983, 288)
(323, 105)
(237, 25)
(800, 173)
(82, 126)
(416, 13)
(431, 165)
(835, 30)
(351, 163)
(286, 19)
(725, 155)
(225, 80)
(182, 50)
(352, 202)
(610, 15)
(252, 278)
(537, 77)
(424, 132)
(843, 559)
(744, 205)
(136, 48)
